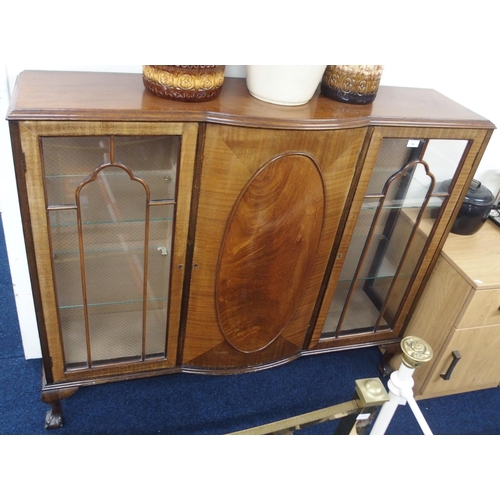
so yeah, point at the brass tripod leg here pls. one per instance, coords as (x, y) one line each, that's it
(355, 414)
(371, 395)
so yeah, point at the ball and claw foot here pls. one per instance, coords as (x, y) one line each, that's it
(53, 419)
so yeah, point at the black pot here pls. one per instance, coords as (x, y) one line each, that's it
(475, 208)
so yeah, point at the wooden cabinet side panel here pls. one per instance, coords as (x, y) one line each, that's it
(41, 245)
(436, 313)
(20, 172)
(232, 157)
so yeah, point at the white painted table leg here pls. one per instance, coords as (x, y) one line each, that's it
(419, 416)
(385, 416)
(400, 385)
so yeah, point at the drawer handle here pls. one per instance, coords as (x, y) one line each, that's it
(456, 359)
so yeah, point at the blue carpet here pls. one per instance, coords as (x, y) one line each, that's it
(10, 335)
(188, 404)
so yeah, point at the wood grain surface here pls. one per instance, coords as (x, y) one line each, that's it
(268, 251)
(232, 158)
(53, 95)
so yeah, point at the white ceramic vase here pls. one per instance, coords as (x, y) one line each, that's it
(284, 85)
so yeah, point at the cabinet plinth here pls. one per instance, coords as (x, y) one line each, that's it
(230, 235)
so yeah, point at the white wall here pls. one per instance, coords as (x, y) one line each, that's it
(459, 86)
(11, 221)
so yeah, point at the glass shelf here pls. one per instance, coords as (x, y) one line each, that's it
(136, 247)
(113, 276)
(386, 270)
(101, 222)
(113, 182)
(86, 171)
(140, 302)
(435, 201)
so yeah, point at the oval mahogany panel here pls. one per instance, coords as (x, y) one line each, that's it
(269, 251)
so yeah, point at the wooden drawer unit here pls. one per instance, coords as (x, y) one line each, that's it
(231, 235)
(483, 309)
(477, 368)
(458, 314)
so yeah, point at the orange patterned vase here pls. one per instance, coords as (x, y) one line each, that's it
(184, 83)
(352, 84)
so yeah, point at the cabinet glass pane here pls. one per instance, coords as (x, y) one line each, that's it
(386, 245)
(112, 243)
(153, 159)
(68, 161)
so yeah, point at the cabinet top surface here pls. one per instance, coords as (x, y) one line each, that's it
(56, 95)
(476, 256)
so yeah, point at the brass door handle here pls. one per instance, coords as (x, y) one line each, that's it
(456, 358)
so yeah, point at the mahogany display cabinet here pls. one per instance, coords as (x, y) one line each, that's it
(231, 235)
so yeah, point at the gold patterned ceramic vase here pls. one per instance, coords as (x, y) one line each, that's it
(184, 83)
(352, 84)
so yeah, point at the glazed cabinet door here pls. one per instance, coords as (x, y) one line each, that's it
(385, 253)
(269, 208)
(109, 207)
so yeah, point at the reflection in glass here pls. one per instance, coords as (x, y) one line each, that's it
(386, 245)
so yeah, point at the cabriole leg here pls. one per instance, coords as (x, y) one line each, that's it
(53, 397)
